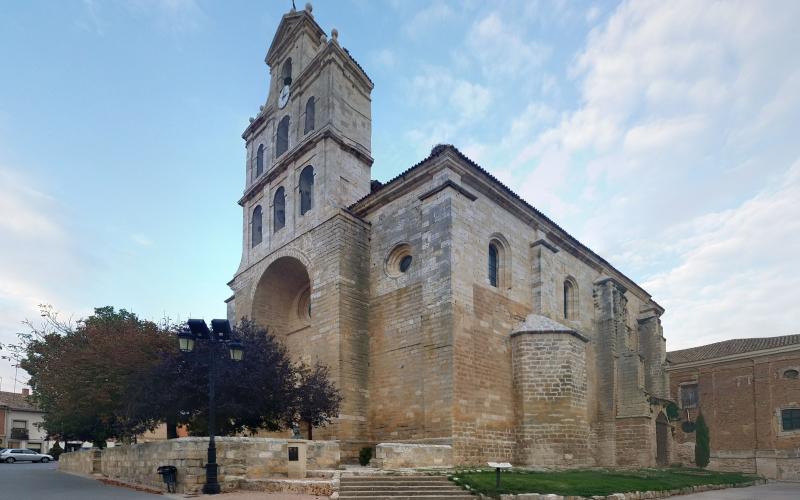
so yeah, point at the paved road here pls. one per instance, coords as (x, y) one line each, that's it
(770, 491)
(26, 480)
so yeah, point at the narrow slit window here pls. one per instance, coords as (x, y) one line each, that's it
(256, 226)
(309, 125)
(282, 136)
(306, 189)
(493, 264)
(260, 160)
(279, 209)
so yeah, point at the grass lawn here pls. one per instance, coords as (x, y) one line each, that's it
(595, 481)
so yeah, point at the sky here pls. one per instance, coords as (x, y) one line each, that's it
(663, 135)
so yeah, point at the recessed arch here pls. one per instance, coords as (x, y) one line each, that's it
(306, 189)
(260, 160)
(282, 136)
(282, 292)
(570, 298)
(256, 227)
(499, 262)
(279, 209)
(310, 115)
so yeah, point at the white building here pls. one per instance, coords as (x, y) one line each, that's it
(21, 423)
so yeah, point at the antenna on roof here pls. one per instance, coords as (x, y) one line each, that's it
(294, 8)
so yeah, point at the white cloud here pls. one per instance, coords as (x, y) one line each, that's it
(426, 19)
(738, 273)
(42, 266)
(501, 51)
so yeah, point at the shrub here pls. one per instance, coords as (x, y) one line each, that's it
(673, 413)
(56, 451)
(365, 455)
(702, 449)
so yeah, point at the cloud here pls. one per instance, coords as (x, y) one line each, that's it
(437, 87)
(426, 19)
(42, 266)
(738, 273)
(170, 16)
(141, 239)
(501, 52)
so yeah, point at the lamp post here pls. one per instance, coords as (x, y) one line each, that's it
(220, 334)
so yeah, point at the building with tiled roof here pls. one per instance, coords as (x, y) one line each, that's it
(449, 310)
(20, 422)
(748, 390)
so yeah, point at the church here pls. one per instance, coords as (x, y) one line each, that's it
(448, 309)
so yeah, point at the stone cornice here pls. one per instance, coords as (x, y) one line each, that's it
(308, 143)
(732, 357)
(448, 184)
(574, 333)
(544, 243)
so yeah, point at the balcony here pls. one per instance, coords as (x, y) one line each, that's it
(19, 434)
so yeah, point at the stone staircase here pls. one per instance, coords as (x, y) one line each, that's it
(400, 488)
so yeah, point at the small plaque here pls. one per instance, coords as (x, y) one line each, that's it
(293, 455)
(500, 465)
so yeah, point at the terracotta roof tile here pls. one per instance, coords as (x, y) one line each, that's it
(730, 347)
(16, 401)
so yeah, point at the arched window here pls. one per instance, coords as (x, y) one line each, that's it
(306, 189)
(499, 262)
(494, 261)
(260, 160)
(570, 299)
(279, 209)
(255, 227)
(286, 72)
(309, 115)
(282, 136)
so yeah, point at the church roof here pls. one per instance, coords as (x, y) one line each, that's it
(441, 149)
(15, 401)
(731, 347)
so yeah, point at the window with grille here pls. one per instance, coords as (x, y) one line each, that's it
(689, 397)
(790, 419)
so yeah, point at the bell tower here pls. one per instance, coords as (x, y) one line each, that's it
(308, 149)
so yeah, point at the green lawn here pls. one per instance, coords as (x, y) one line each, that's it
(595, 481)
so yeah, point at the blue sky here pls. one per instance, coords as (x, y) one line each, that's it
(664, 135)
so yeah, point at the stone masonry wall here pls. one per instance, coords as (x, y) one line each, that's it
(403, 455)
(238, 459)
(78, 462)
(550, 385)
(410, 321)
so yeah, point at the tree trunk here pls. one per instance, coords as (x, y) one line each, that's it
(172, 428)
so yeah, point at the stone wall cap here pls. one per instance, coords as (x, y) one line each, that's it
(416, 445)
(536, 323)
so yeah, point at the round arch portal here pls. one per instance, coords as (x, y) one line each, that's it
(282, 299)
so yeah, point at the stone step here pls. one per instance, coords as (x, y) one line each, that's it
(396, 483)
(368, 489)
(463, 496)
(403, 486)
(394, 492)
(366, 479)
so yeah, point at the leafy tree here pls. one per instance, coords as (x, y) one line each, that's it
(114, 376)
(316, 398)
(82, 374)
(702, 448)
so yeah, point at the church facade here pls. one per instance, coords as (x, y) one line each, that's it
(448, 309)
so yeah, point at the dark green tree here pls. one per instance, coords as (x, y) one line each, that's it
(317, 400)
(702, 448)
(82, 375)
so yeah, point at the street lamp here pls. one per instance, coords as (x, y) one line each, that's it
(220, 334)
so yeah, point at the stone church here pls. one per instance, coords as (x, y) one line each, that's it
(448, 309)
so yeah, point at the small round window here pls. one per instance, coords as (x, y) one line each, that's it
(399, 260)
(792, 374)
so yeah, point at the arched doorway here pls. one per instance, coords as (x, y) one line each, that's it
(282, 300)
(662, 439)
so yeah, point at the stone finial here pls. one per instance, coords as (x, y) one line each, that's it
(323, 39)
(252, 119)
(261, 108)
(335, 35)
(309, 7)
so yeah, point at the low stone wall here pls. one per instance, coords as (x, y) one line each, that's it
(239, 459)
(403, 455)
(77, 462)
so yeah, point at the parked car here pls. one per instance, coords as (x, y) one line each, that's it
(11, 455)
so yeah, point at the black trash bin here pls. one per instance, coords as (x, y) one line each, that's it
(169, 473)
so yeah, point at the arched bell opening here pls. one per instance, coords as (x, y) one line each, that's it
(282, 301)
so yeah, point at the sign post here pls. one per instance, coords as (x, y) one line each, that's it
(498, 466)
